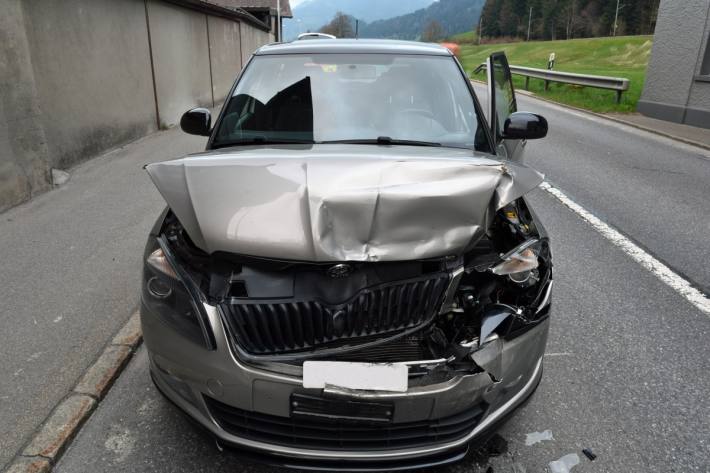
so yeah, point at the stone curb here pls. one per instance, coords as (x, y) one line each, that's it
(29, 465)
(58, 430)
(613, 119)
(64, 421)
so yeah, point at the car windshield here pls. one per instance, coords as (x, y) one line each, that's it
(359, 98)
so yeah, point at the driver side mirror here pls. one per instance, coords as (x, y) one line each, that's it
(524, 126)
(197, 121)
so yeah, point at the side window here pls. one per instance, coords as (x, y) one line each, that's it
(501, 92)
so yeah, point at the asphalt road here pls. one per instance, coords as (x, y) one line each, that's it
(653, 189)
(71, 261)
(626, 368)
(624, 375)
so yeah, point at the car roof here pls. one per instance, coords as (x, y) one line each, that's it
(353, 46)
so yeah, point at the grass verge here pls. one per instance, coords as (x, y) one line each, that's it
(622, 56)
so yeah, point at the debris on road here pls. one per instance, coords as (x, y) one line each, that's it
(589, 454)
(564, 464)
(497, 446)
(535, 437)
(59, 177)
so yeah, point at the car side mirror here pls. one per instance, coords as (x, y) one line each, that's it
(197, 121)
(524, 126)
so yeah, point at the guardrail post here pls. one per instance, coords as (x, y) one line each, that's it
(547, 84)
(618, 96)
(527, 83)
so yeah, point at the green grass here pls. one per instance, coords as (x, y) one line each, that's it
(469, 37)
(623, 56)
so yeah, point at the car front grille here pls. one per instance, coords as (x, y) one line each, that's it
(341, 434)
(280, 327)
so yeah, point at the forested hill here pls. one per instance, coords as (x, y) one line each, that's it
(453, 16)
(564, 19)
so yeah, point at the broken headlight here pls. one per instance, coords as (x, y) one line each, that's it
(170, 294)
(519, 263)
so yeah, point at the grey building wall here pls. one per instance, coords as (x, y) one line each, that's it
(677, 86)
(225, 55)
(252, 39)
(24, 167)
(180, 59)
(92, 69)
(78, 77)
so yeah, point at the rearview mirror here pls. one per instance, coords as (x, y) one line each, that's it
(197, 121)
(524, 126)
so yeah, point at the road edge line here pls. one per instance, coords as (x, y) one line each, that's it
(665, 274)
(57, 431)
(654, 131)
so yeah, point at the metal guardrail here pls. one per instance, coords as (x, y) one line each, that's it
(619, 84)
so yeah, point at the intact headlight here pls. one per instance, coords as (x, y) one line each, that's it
(170, 293)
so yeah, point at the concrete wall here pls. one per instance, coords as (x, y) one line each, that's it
(78, 77)
(180, 59)
(225, 55)
(93, 76)
(252, 39)
(24, 166)
(674, 89)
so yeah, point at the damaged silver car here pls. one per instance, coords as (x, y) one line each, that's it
(350, 276)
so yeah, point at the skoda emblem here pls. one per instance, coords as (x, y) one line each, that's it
(339, 271)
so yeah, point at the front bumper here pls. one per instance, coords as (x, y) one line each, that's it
(187, 373)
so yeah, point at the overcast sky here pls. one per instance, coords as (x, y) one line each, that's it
(294, 3)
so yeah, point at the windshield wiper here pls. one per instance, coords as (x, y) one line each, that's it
(259, 140)
(383, 140)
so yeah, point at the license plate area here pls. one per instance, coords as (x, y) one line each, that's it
(391, 377)
(340, 410)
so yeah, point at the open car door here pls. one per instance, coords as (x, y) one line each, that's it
(501, 105)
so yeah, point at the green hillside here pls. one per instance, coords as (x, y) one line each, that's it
(623, 56)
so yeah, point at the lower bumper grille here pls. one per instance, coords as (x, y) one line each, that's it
(265, 328)
(338, 435)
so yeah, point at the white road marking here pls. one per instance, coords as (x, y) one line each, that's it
(660, 270)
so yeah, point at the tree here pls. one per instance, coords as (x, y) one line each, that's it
(340, 26)
(433, 32)
(568, 19)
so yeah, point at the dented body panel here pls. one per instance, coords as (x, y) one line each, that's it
(408, 252)
(187, 373)
(326, 203)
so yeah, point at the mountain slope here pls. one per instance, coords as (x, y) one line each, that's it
(312, 14)
(455, 16)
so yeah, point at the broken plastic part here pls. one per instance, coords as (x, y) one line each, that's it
(492, 318)
(535, 437)
(489, 358)
(564, 464)
(589, 454)
(521, 259)
(158, 261)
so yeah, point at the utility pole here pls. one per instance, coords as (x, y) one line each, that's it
(480, 29)
(278, 19)
(616, 17)
(529, 21)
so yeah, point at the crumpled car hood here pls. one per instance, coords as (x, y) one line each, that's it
(327, 203)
